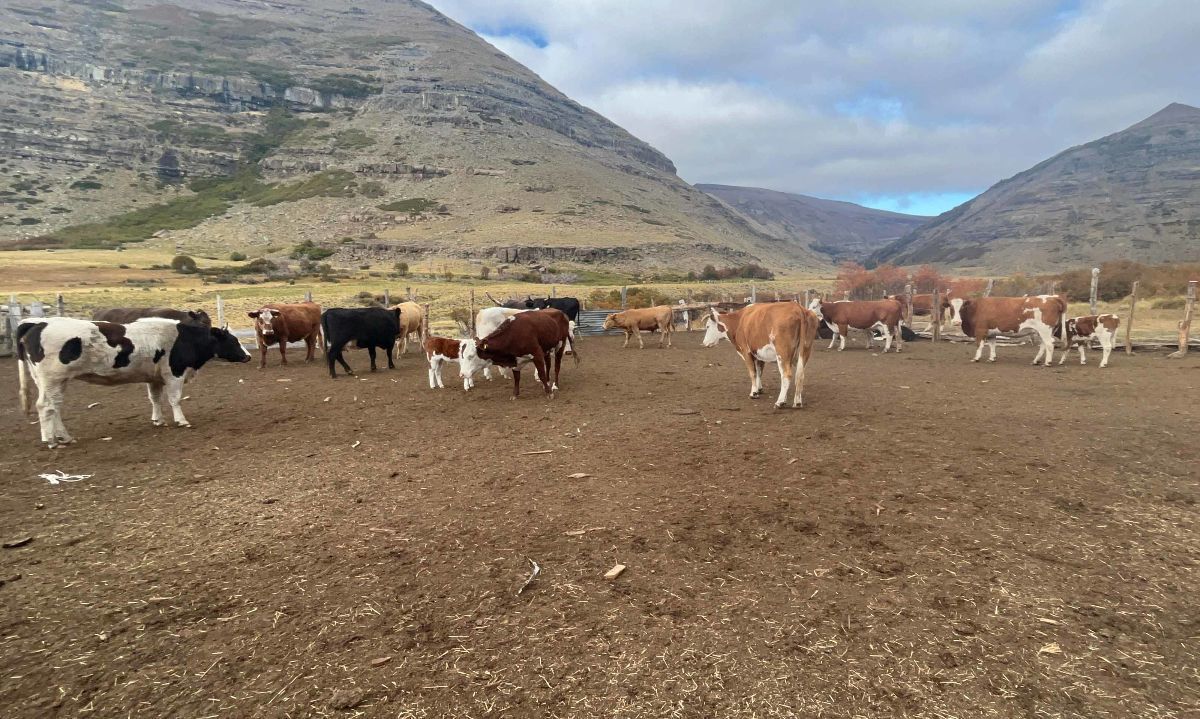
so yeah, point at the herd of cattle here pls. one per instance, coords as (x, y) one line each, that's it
(162, 348)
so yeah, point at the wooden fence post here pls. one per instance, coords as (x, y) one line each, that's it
(1185, 325)
(308, 296)
(61, 305)
(624, 297)
(220, 312)
(387, 297)
(937, 306)
(908, 308)
(1095, 290)
(807, 298)
(753, 293)
(471, 318)
(1129, 323)
(846, 295)
(987, 292)
(553, 291)
(408, 293)
(425, 322)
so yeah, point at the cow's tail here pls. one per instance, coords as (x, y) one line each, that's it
(1062, 323)
(572, 349)
(24, 379)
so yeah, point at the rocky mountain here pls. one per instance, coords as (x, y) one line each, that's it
(1134, 195)
(380, 127)
(839, 230)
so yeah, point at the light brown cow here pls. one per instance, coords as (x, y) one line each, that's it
(411, 315)
(633, 322)
(280, 323)
(1040, 314)
(1081, 330)
(868, 315)
(779, 331)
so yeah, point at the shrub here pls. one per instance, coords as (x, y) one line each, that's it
(236, 256)
(413, 206)
(485, 272)
(530, 276)
(635, 297)
(372, 189)
(1170, 303)
(307, 250)
(402, 269)
(85, 185)
(183, 264)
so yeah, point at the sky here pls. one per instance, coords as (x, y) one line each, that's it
(906, 105)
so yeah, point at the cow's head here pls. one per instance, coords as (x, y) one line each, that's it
(715, 330)
(264, 321)
(469, 361)
(610, 321)
(199, 318)
(815, 308)
(228, 346)
(955, 305)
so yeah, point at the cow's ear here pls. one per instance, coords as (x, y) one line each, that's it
(193, 314)
(254, 314)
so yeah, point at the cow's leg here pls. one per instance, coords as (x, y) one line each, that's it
(1047, 336)
(174, 398)
(898, 336)
(992, 349)
(388, 350)
(833, 341)
(50, 406)
(801, 361)
(371, 354)
(403, 343)
(435, 372)
(641, 345)
(539, 365)
(785, 380)
(155, 392)
(559, 351)
(843, 330)
(310, 346)
(335, 354)
(1038, 357)
(978, 350)
(628, 335)
(670, 331)
(752, 370)
(487, 373)
(516, 374)
(1106, 347)
(283, 351)
(887, 337)
(1083, 353)
(262, 349)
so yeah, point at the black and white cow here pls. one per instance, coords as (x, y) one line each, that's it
(162, 353)
(569, 306)
(367, 327)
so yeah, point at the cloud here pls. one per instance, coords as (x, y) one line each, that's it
(859, 99)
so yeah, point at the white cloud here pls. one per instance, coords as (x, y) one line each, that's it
(863, 98)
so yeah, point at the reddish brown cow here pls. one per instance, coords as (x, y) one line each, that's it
(537, 336)
(779, 331)
(868, 315)
(1040, 314)
(1081, 330)
(279, 323)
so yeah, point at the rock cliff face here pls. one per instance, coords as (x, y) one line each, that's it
(1134, 195)
(112, 105)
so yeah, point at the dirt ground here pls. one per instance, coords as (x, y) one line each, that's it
(928, 538)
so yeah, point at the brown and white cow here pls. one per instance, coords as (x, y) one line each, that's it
(634, 322)
(439, 351)
(280, 323)
(782, 332)
(984, 318)
(411, 317)
(868, 315)
(537, 336)
(1081, 330)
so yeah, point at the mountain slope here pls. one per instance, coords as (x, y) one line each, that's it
(123, 102)
(1134, 194)
(840, 230)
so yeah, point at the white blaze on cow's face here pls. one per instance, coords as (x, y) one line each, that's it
(469, 361)
(714, 332)
(815, 308)
(956, 304)
(264, 321)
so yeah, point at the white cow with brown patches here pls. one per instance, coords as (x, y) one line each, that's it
(782, 332)
(1081, 330)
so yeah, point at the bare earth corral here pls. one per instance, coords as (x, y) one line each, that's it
(929, 538)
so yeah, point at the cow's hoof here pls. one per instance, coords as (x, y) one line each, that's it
(51, 445)
(974, 360)
(781, 405)
(184, 424)
(158, 423)
(991, 359)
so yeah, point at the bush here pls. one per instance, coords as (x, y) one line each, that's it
(530, 276)
(750, 271)
(1170, 303)
(372, 189)
(183, 264)
(635, 297)
(236, 256)
(402, 269)
(485, 272)
(307, 250)
(413, 206)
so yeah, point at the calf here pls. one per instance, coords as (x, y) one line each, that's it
(440, 350)
(125, 315)
(633, 322)
(869, 315)
(366, 327)
(985, 318)
(540, 337)
(163, 354)
(778, 331)
(277, 323)
(1081, 330)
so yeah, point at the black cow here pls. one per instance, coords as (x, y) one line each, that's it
(369, 327)
(569, 306)
(125, 315)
